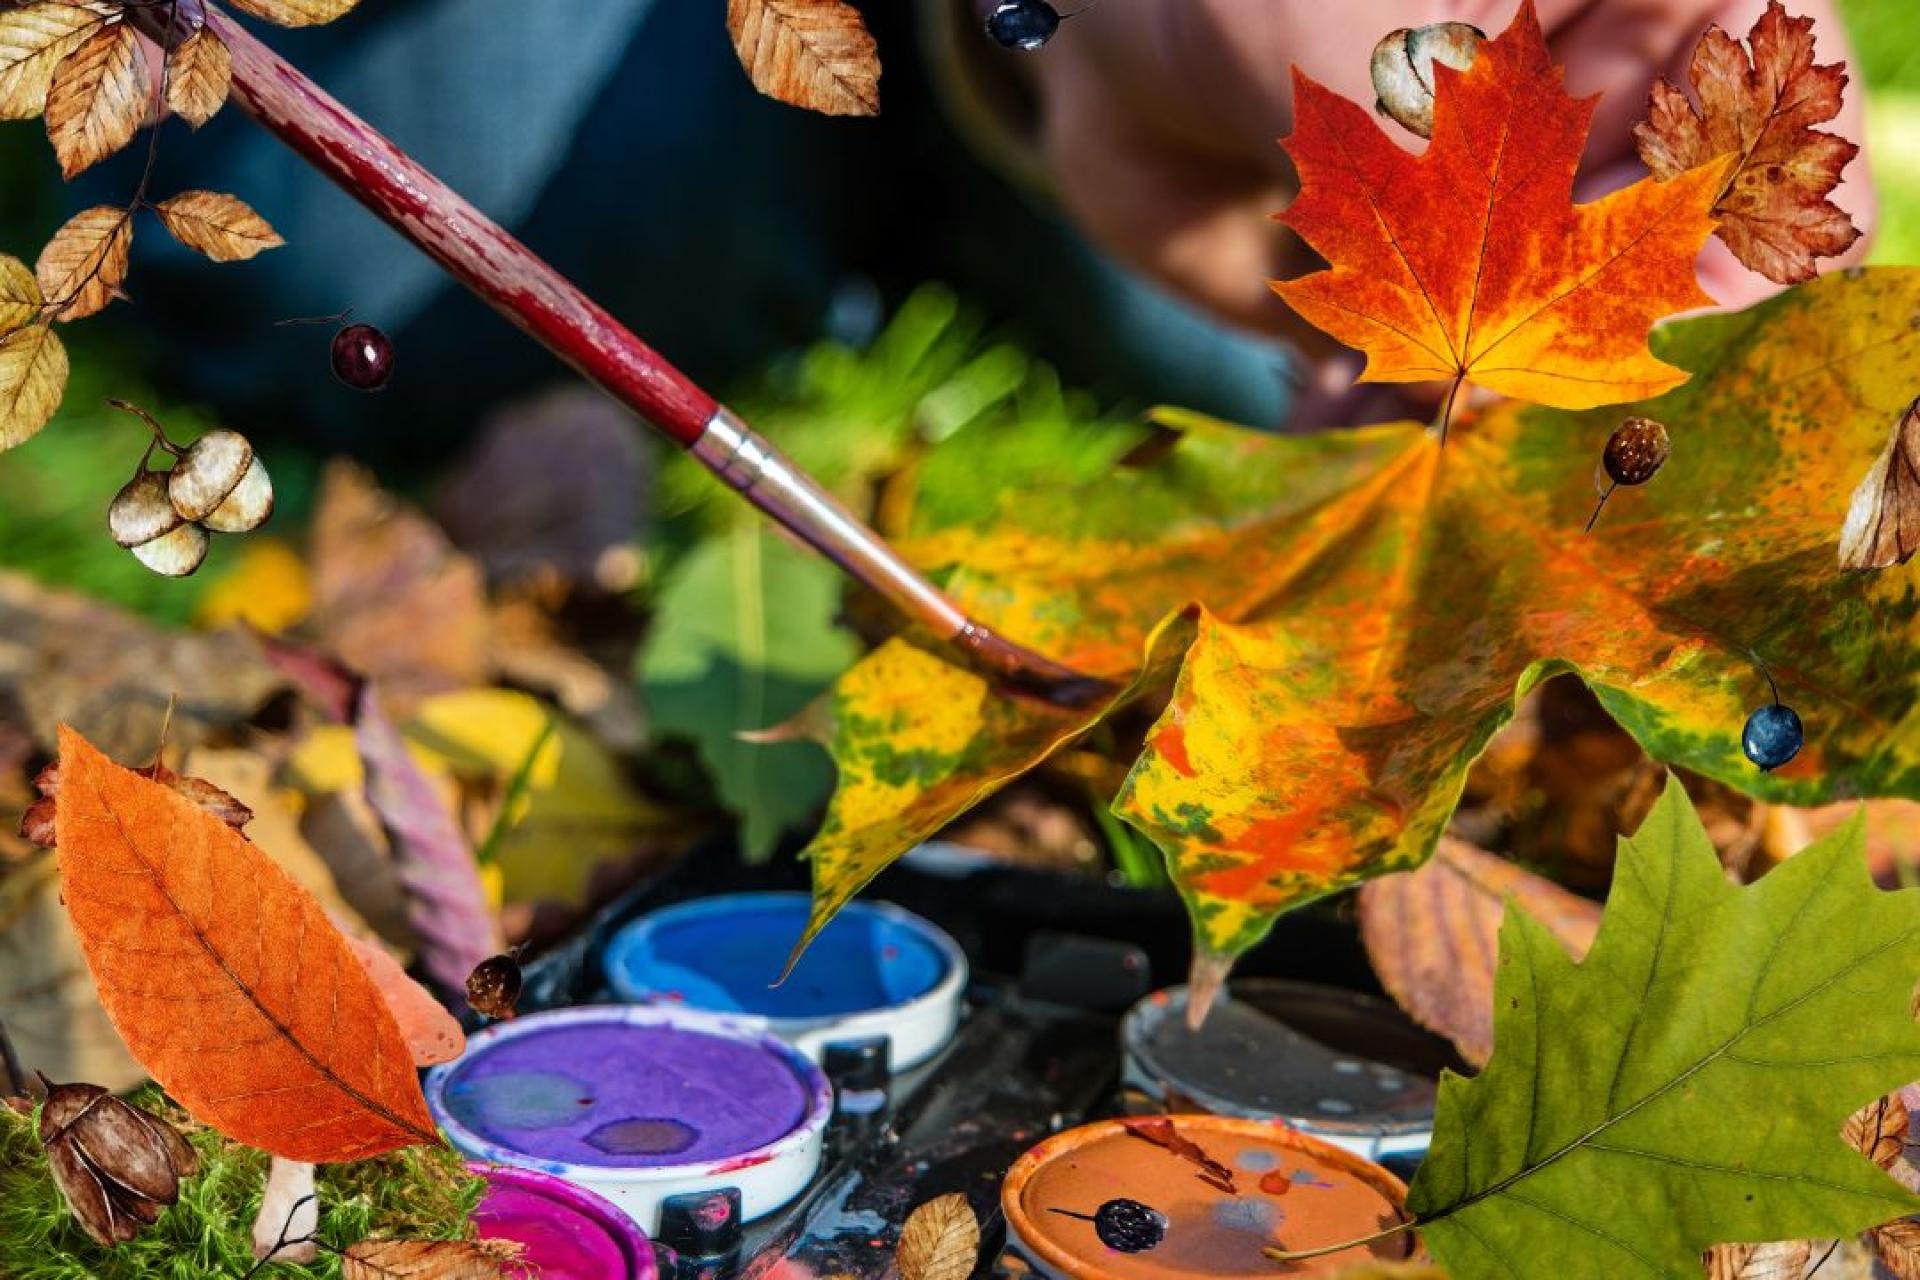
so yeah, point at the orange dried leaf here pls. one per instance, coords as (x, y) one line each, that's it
(815, 54)
(1774, 212)
(199, 76)
(83, 266)
(1883, 519)
(1878, 1130)
(433, 1035)
(1432, 936)
(1784, 1260)
(38, 823)
(98, 98)
(34, 39)
(224, 977)
(1897, 1244)
(223, 227)
(1470, 261)
(426, 1260)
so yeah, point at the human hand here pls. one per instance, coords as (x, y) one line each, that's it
(1159, 122)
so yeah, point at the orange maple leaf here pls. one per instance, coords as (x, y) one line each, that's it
(224, 977)
(1774, 212)
(1470, 261)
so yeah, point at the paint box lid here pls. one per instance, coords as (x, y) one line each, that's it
(1363, 1092)
(1256, 1185)
(567, 1232)
(639, 1103)
(875, 970)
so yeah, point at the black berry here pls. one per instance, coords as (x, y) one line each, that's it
(1635, 451)
(493, 988)
(363, 357)
(1773, 736)
(1023, 24)
(1129, 1226)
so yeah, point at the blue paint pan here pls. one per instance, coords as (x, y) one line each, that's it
(875, 970)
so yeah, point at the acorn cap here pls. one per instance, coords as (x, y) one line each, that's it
(142, 511)
(212, 467)
(175, 554)
(248, 506)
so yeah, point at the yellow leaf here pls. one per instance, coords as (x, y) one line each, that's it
(268, 587)
(579, 809)
(98, 98)
(34, 39)
(222, 227)
(815, 54)
(199, 75)
(33, 378)
(19, 294)
(296, 13)
(84, 265)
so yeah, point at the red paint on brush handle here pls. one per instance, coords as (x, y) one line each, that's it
(470, 246)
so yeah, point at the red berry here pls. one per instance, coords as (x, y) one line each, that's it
(363, 357)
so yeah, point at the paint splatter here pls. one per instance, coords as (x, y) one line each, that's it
(1256, 1160)
(1160, 1132)
(1277, 1183)
(644, 1136)
(519, 1100)
(1258, 1217)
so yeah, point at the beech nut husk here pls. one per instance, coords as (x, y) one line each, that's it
(118, 1166)
(1403, 68)
(248, 506)
(175, 554)
(142, 511)
(212, 467)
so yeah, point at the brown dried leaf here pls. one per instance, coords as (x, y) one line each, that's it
(1774, 214)
(34, 39)
(1898, 1246)
(83, 266)
(393, 599)
(98, 98)
(37, 824)
(19, 294)
(1878, 1130)
(815, 54)
(1432, 935)
(33, 379)
(940, 1241)
(432, 1034)
(296, 13)
(221, 226)
(1782, 1261)
(199, 75)
(1160, 1131)
(1883, 520)
(426, 1260)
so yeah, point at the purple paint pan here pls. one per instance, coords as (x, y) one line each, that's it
(567, 1232)
(638, 1104)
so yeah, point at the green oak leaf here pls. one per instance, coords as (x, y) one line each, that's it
(1687, 1083)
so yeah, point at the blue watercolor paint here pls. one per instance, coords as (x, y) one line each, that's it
(1259, 1217)
(723, 955)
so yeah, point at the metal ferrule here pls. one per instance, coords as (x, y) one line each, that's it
(761, 474)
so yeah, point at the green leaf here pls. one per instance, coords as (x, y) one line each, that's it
(744, 637)
(1685, 1085)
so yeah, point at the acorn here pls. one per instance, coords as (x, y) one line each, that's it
(118, 1166)
(176, 554)
(142, 518)
(219, 481)
(1403, 69)
(1635, 452)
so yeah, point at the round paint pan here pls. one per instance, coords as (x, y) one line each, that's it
(1242, 1187)
(1336, 1064)
(874, 971)
(637, 1104)
(566, 1232)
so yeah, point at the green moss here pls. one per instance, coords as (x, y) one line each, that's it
(419, 1193)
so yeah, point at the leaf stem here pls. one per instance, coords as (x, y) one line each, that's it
(1445, 419)
(160, 440)
(1592, 519)
(1301, 1255)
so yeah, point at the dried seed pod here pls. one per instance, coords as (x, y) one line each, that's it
(1403, 68)
(212, 467)
(176, 554)
(248, 506)
(1637, 448)
(118, 1166)
(493, 988)
(141, 511)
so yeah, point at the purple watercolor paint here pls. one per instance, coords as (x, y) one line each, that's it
(567, 1232)
(626, 1096)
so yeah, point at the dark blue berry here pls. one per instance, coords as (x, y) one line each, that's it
(1772, 737)
(1023, 24)
(363, 357)
(1129, 1226)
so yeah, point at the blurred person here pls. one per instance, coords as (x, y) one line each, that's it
(1111, 195)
